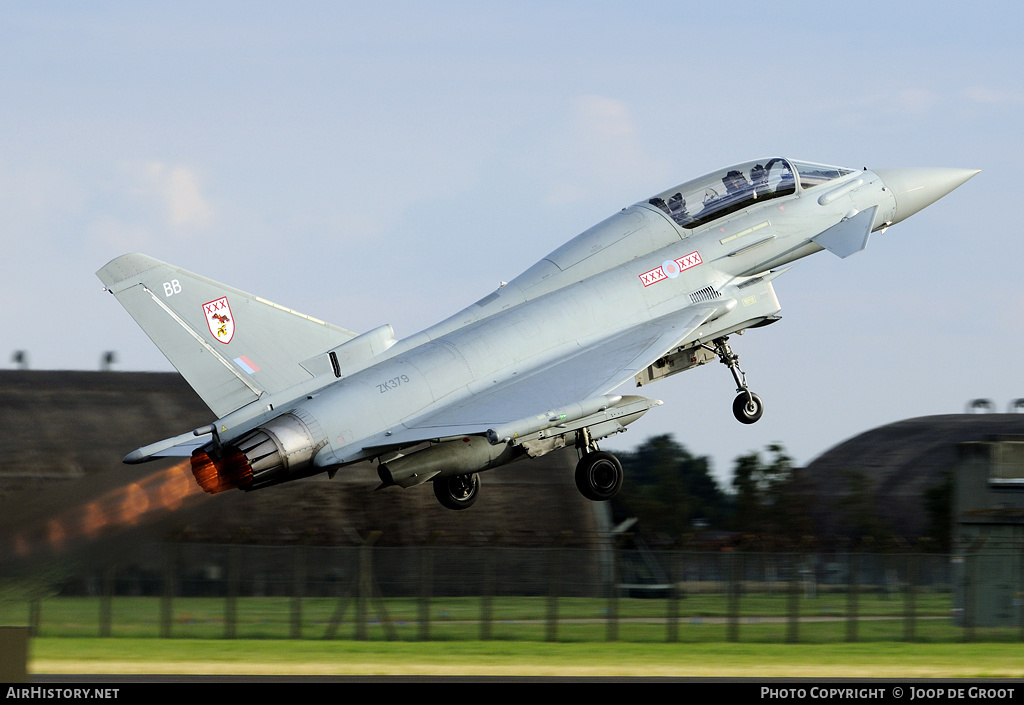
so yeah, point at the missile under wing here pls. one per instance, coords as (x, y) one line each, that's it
(651, 291)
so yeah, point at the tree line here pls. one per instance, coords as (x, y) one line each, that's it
(673, 493)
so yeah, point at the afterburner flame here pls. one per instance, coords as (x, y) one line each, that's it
(222, 474)
(140, 502)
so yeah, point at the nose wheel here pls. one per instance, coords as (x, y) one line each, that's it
(747, 407)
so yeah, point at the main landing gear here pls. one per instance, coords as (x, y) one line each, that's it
(457, 491)
(598, 473)
(747, 407)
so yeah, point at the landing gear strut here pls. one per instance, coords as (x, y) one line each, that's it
(747, 407)
(598, 473)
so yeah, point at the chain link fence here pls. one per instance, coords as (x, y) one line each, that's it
(490, 591)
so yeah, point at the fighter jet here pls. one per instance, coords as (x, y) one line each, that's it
(656, 289)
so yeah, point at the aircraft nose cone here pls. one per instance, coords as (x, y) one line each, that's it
(918, 188)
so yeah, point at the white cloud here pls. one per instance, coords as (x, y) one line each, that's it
(917, 100)
(600, 118)
(178, 189)
(600, 149)
(992, 96)
(143, 203)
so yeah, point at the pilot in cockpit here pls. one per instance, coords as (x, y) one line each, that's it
(677, 209)
(660, 203)
(736, 185)
(759, 181)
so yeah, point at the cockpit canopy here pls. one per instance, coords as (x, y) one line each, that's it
(723, 192)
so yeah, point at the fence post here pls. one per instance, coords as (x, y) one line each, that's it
(1020, 591)
(793, 599)
(35, 612)
(361, 591)
(378, 599)
(231, 594)
(853, 560)
(364, 587)
(298, 590)
(554, 590)
(106, 598)
(910, 599)
(672, 634)
(426, 589)
(733, 563)
(614, 579)
(487, 593)
(969, 612)
(167, 594)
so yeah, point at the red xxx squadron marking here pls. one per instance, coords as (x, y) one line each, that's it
(671, 269)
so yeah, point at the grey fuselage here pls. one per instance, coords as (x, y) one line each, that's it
(585, 291)
(652, 291)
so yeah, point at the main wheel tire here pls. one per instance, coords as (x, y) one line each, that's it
(599, 476)
(458, 491)
(747, 408)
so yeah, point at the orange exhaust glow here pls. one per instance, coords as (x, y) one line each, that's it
(142, 501)
(225, 473)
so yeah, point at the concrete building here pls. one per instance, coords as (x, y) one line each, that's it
(876, 483)
(989, 532)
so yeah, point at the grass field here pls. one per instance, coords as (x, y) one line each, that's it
(701, 618)
(527, 637)
(474, 658)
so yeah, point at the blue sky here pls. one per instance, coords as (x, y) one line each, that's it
(393, 162)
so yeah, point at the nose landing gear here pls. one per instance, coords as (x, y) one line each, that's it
(747, 407)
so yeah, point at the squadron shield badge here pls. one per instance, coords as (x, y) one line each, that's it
(219, 319)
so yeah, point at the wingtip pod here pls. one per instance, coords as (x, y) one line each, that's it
(917, 188)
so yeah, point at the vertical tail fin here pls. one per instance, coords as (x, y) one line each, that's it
(230, 346)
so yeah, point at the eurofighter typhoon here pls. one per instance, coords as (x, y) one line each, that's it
(654, 290)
